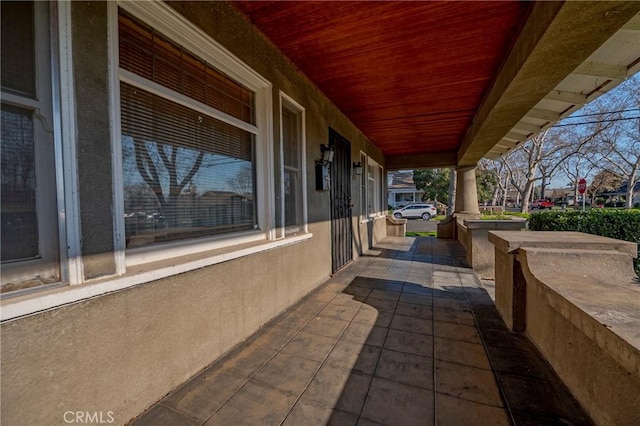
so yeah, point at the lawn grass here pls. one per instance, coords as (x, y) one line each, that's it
(495, 217)
(504, 216)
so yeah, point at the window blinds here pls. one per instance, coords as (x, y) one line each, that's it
(149, 55)
(186, 174)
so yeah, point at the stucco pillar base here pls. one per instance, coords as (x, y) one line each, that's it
(447, 228)
(480, 252)
(462, 216)
(461, 228)
(466, 192)
(396, 227)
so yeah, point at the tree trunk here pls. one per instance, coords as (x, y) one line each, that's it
(496, 191)
(528, 190)
(504, 198)
(631, 183)
(630, 194)
(452, 192)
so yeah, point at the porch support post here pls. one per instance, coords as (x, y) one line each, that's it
(466, 191)
(466, 206)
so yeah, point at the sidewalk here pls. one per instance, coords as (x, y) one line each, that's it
(405, 335)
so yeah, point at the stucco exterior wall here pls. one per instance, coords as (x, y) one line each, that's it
(367, 232)
(120, 352)
(123, 351)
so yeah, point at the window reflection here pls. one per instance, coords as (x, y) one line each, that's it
(19, 218)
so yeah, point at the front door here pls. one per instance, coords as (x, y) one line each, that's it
(341, 246)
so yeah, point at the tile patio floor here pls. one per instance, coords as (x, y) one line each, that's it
(405, 335)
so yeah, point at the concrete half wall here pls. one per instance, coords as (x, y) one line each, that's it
(577, 298)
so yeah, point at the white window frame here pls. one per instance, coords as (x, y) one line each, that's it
(371, 195)
(55, 114)
(293, 106)
(377, 203)
(363, 188)
(381, 191)
(179, 30)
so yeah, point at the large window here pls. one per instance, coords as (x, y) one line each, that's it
(363, 187)
(28, 192)
(293, 166)
(383, 199)
(188, 142)
(371, 188)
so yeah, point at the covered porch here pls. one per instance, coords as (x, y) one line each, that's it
(277, 293)
(407, 334)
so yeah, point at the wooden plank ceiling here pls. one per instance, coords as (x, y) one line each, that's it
(410, 75)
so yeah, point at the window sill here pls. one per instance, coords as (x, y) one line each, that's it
(29, 304)
(373, 218)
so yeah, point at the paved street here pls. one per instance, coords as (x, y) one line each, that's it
(419, 225)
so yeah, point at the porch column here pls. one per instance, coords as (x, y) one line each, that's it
(466, 191)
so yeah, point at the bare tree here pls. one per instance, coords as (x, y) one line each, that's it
(605, 181)
(622, 156)
(575, 168)
(541, 156)
(452, 191)
(619, 147)
(498, 168)
(509, 169)
(525, 163)
(242, 183)
(148, 166)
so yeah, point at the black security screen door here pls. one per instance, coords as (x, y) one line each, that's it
(340, 202)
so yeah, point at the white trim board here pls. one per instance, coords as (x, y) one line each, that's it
(13, 309)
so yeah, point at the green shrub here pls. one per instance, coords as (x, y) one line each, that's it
(618, 224)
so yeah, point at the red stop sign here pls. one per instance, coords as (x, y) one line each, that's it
(582, 185)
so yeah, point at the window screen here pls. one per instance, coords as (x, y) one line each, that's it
(363, 187)
(29, 214)
(371, 188)
(292, 170)
(19, 216)
(18, 48)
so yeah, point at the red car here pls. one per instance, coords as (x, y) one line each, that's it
(541, 204)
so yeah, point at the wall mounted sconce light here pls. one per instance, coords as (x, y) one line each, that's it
(357, 168)
(323, 176)
(327, 153)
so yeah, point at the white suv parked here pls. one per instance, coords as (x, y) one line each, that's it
(425, 211)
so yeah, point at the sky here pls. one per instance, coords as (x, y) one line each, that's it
(631, 85)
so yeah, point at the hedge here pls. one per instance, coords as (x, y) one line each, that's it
(618, 224)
